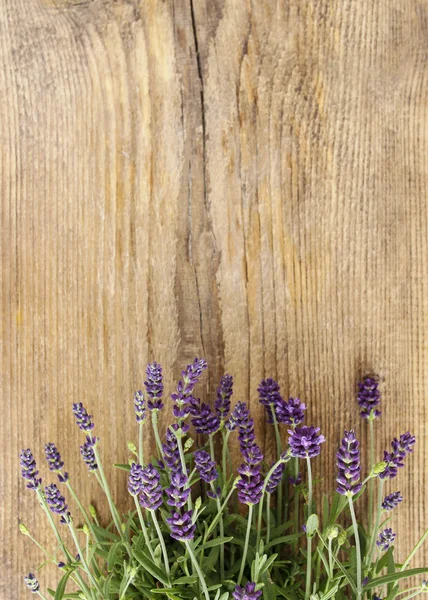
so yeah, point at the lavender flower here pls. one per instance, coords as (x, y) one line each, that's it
(368, 397)
(57, 504)
(249, 485)
(224, 393)
(53, 457)
(290, 412)
(305, 442)
(295, 480)
(246, 434)
(275, 478)
(32, 583)
(151, 490)
(154, 386)
(395, 459)
(135, 479)
(181, 526)
(185, 386)
(240, 414)
(206, 422)
(392, 501)
(214, 494)
(88, 454)
(248, 592)
(140, 407)
(171, 454)
(205, 466)
(83, 420)
(178, 492)
(348, 463)
(385, 539)
(29, 469)
(269, 396)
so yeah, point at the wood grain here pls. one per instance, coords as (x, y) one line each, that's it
(240, 180)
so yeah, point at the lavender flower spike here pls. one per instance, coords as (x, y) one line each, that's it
(248, 592)
(185, 387)
(29, 469)
(269, 396)
(205, 421)
(275, 478)
(385, 539)
(392, 501)
(395, 459)
(88, 454)
(249, 485)
(54, 461)
(151, 490)
(290, 412)
(239, 416)
(178, 492)
(83, 420)
(181, 526)
(368, 397)
(32, 583)
(224, 393)
(140, 407)
(135, 479)
(348, 463)
(56, 502)
(205, 466)
(154, 386)
(305, 442)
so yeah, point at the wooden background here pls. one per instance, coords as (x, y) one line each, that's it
(240, 180)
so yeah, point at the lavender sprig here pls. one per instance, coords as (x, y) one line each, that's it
(178, 492)
(57, 503)
(224, 393)
(248, 592)
(140, 407)
(395, 459)
(392, 501)
(348, 464)
(205, 420)
(154, 386)
(290, 412)
(29, 469)
(151, 491)
(88, 454)
(205, 466)
(385, 539)
(31, 583)
(181, 397)
(269, 397)
(368, 397)
(181, 526)
(305, 442)
(83, 419)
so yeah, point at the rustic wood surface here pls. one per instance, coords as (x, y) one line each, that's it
(244, 181)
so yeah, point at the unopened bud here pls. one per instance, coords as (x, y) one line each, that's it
(332, 533)
(23, 529)
(379, 468)
(85, 529)
(198, 503)
(189, 443)
(132, 448)
(92, 511)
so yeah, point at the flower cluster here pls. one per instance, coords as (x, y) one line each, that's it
(248, 592)
(395, 460)
(224, 393)
(88, 454)
(151, 491)
(348, 464)
(368, 397)
(269, 397)
(385, 539)
(154, 386)
(183, 394)
(392, 501)
(57, 504)
(29, 469)
(305, 442)
(83, 420)
(171, 453)
(140, 407)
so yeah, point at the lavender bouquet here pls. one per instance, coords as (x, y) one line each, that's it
(202, 531)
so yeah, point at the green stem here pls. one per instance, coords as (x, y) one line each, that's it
(370, 515)
(183, 466)
(82, 510)
(82, 558)
(156, 431)
(144, 529)
(162, 543)
(41, 595)
(357, 546)
(412, 595)
(221, 532)
(105, 487)
(140, 445)
(413, 552)
(279, 452)
(259, 522)
(376, 527)
(247, 539)
(268, 519)
(296, 501)
(224, 454)
(128, 583)
(217, 518)
(41, 547)
(198, 570)
(309, 539)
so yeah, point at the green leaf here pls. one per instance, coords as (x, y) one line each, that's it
(265, 567)
(123, 467)
(105, 533)
(312, 525)
(186, 580)
(394, 577)
(212, 543)
(331, 593)
(151, 567)
(285, 539)
(113, 556)
(60, 590)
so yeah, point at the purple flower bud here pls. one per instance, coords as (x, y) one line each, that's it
(57, 504)
(275, 478)
(296, 480)
(178, 492)
(171, 453)
(215, 495)
(29, 469)
(154, 386)
(88, 454)
(395, 459)
(252, 454)
(32, 583)
(348, 464)
(61, 564)
(240, 414)
(224, 393)
(63, 477)
(248, 592)
(206, 422)
(185, 386)
(368, 397)
(140, 407)
(53, 457)
(246, 434)
(135, 479)
(249, 485)
(392, 501)
(385, 539)
(291, 412)
(305, 442)
(181, 526)
(83, 420)
(151, 490)
(269, 396)
(205, 466)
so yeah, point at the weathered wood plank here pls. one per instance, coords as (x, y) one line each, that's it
(244, 181)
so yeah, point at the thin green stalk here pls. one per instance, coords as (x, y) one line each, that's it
(211, 443)
(104, 485)
(141, 444)
(370, 515)
(268, 519)
(279, 452)
(247, 539)
(82, 509)
(309, 539)
(162, 543)
(128, 583)
(259, 521)
(296, 502)
(82, 558)
(217, 518)
(412, 595)
(154, 414)
(225, 437)
(267, 478)
(376, 527)
(183, 466)
(144, 528)
(413, 552)
(41, 547)
(221, 532)
(357, 546)
(198, 570)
